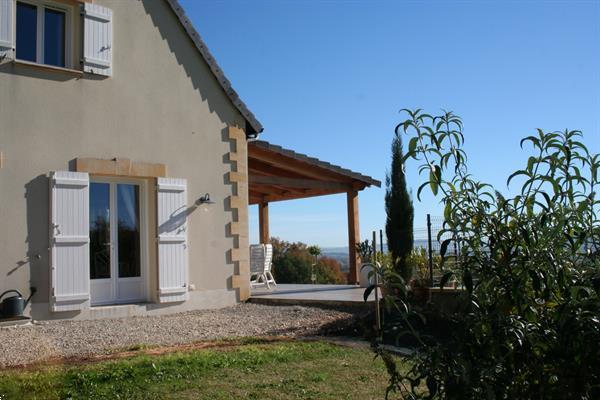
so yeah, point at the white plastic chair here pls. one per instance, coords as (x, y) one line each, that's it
(261, 256)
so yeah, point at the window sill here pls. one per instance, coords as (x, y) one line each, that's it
(49, 67)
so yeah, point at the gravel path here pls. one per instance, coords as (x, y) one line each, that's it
(39, 341)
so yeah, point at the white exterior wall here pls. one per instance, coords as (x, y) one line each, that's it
(161, 105)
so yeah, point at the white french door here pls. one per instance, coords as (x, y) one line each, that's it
(117, 273)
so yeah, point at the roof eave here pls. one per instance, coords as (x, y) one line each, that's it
(363, 179)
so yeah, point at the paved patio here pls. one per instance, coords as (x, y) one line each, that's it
(310, 295)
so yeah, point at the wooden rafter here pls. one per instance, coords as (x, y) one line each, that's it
(259, 167)
(298, 183)
(256, 198)
(286, 164)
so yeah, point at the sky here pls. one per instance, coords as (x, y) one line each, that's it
(328, 78)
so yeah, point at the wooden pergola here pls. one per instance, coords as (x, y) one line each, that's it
(278, 174)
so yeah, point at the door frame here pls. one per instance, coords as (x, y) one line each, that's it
(144, 257)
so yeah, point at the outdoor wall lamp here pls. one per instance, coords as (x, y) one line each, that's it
(204, 201)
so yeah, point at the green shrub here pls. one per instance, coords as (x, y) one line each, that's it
(530, 268)
(329, 271)
(291, 269)
(293, 263)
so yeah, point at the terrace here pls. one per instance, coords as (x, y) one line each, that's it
(311, 295)
(278, 174)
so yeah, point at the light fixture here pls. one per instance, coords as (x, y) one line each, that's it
(204, 201)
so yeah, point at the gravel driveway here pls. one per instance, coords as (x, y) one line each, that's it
(39, 341)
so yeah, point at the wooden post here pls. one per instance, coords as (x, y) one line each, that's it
(263, 222)
(353, 237)
(429, 250)
(376, 282)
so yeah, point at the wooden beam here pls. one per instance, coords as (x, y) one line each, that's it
(262, 168)
(267, 190)
(288, 189)
(297, 183)
(263, 222)
(255, 198)
(275, 190)
(353, 236)
(291, 164)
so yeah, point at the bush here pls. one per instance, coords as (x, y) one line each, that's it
(530, 267)
(291, 269)
(329, 271)
(292, 263)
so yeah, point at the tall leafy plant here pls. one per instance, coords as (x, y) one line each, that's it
(400, 212)
(529, 326)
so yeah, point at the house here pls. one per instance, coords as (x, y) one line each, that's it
(125, 174)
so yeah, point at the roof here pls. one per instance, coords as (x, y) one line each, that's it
(253, 126)
(314, 161)
(276, 174)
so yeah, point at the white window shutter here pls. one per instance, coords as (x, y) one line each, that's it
(97, 39)
(172, 213)
(6, 27)
(69, 241)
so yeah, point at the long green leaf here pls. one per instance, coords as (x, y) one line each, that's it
(445, 278)
(420, 189)
(444, 247)
(447, 211)
(368, 292)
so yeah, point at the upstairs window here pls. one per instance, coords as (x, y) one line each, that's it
(46, 31)
(41, 33)
(26, 32)
(54, 37)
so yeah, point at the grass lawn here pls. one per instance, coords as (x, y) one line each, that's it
(278, 370)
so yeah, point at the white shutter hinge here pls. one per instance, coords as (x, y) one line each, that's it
(95, 15)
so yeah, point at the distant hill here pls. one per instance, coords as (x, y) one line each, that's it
(340, 254)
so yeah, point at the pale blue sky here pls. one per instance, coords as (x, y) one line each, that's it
(327, 78)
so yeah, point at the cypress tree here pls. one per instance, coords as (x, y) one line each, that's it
(400, 212)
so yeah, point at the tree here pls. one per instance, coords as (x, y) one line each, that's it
(527, 323)
(400, 212)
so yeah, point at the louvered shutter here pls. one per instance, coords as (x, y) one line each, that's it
(172, 240)
(97, 39)
(6, 27)
(69, 241)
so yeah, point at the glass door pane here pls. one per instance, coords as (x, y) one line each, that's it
(128, 230)
(100, 231)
